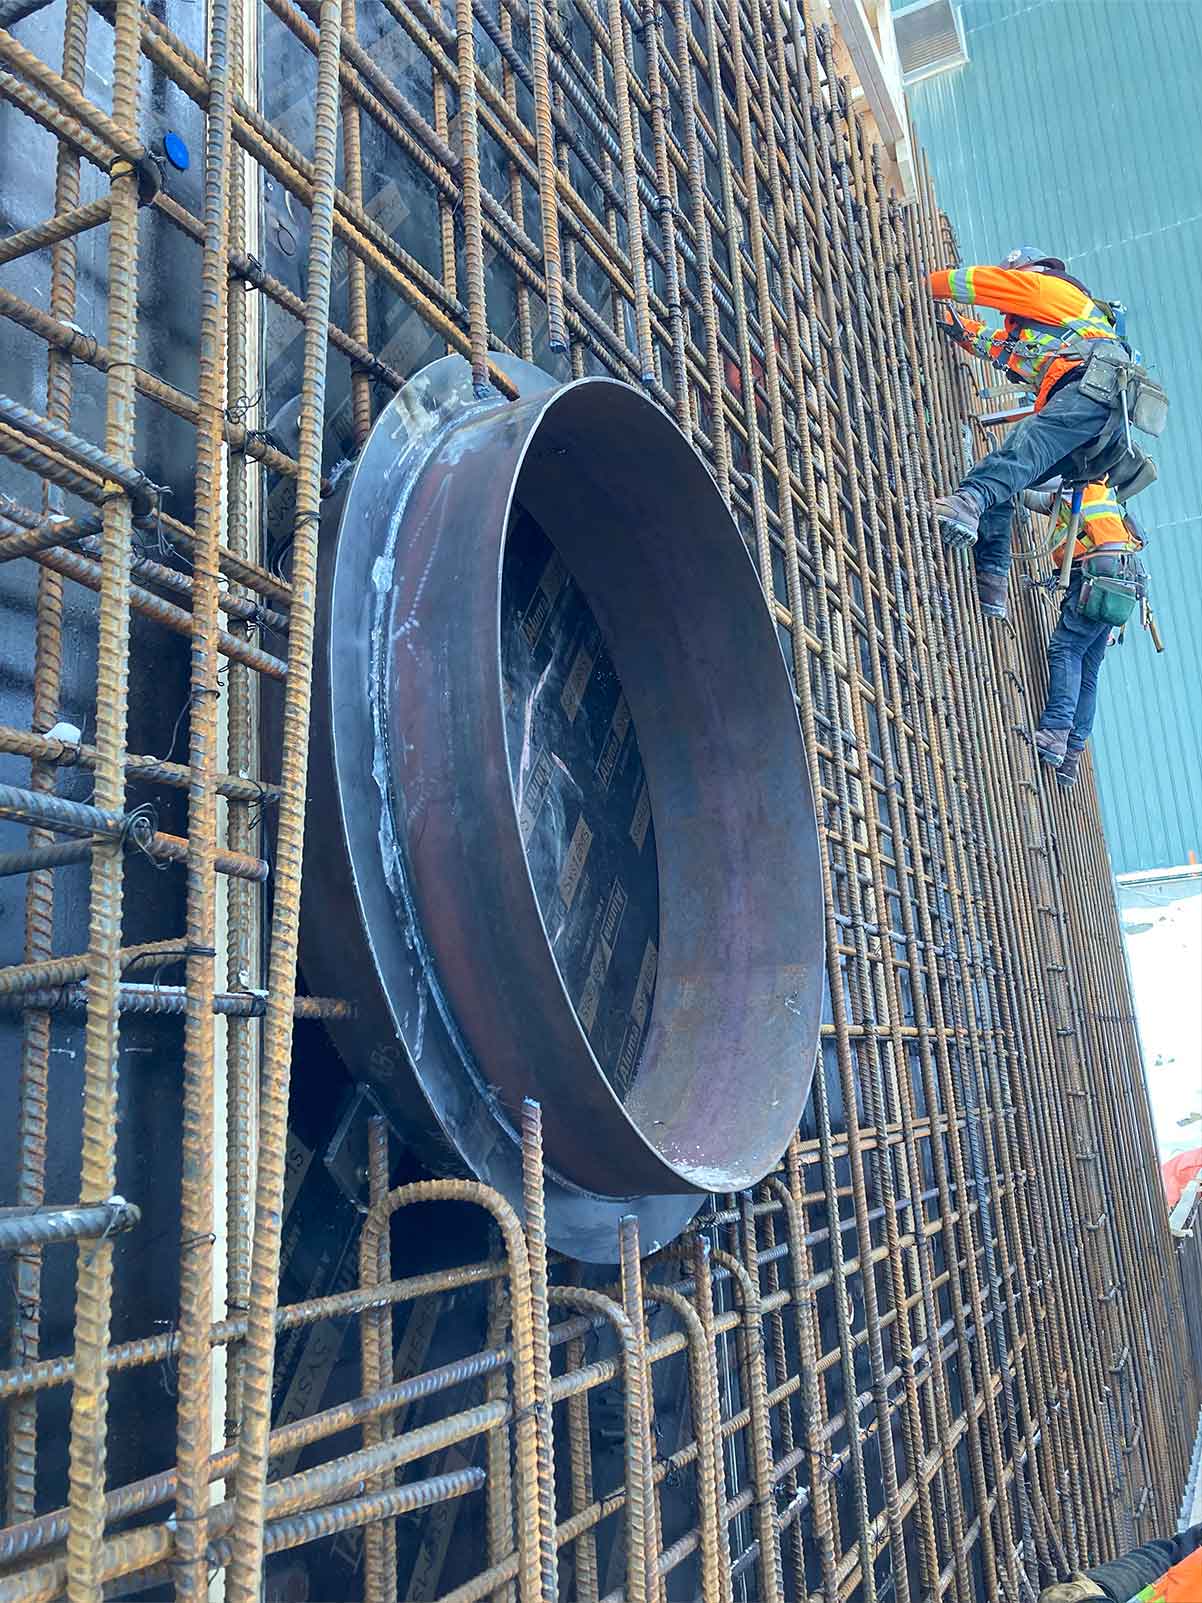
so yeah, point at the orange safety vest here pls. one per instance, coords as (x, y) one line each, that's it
(1046, 318)
(1101, 524)
(1181, 1584)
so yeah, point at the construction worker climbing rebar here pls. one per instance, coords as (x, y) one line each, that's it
(1067, 346)
(1107, 535)
(1168, 1570)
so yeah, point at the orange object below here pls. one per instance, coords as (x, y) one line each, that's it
(1183, 1583)
(1178, 1171)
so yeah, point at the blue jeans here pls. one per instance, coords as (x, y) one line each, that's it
(1075, 654)
(1036, 449)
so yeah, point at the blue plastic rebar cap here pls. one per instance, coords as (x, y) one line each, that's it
(176, 151)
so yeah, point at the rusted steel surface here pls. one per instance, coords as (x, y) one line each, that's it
(941, 1352)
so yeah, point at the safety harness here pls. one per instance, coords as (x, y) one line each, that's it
(1111, 372)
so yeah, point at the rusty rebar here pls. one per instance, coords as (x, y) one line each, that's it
(133, 830)
(195, 1373)
(35, 1228)
(56, 751)
(376, 1360)
(536, 1245)
(55, 230)
(39, 892)
(174, 999)
(258, 1352)
(93, 1299)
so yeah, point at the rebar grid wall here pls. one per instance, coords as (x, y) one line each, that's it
(941, 1353)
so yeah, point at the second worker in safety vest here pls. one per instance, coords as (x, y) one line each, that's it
(1077, 647)
(1050, 322)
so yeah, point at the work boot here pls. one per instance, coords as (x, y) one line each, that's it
(1051, 744)
(958, 516)
(991, 592)
(1070, 767)
(1078, 1590)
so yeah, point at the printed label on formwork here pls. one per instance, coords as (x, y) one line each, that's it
(532, 792)
(573, 865)
(546, 592)
(640, 1010)
(603, 951)
(619, 725)
(583, 808)
(580, 673)
(642, 817)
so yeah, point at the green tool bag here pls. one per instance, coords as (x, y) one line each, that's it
(1114, 582)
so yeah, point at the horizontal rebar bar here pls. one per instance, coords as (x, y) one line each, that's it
(36, 858)
(172, 999)
(134, 831)
(142, 492)
(20, 1229)
(61, 752)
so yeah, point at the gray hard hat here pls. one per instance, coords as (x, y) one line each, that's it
(1028, 256)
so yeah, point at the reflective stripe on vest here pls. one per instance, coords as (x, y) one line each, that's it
(1101, 524)
(1028, 349)
(962, 285)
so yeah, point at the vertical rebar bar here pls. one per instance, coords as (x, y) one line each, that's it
(258, 1353)
(193, 1424)
(243, 904)
(356, 283)
(640, 1384)
(21, 1457)
(94, 1282)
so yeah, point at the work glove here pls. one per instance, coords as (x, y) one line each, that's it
(1079, 1590)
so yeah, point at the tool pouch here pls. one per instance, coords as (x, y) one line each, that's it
(1114, 582)
(1134, 471)
(1148, 407)
(1107, 372)
(1110, 377)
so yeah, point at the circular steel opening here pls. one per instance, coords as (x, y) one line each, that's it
(685, 1067)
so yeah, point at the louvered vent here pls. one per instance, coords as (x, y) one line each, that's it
(930, 38)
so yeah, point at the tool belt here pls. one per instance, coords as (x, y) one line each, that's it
(1113, 377)
(1126, 468)
(1114, 582)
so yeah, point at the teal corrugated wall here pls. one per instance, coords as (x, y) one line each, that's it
(1077, 127)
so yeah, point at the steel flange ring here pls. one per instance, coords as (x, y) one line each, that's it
(561, 841)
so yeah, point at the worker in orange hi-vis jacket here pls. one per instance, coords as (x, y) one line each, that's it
(1164, 1571)
(1078, 644)
(1050, 327)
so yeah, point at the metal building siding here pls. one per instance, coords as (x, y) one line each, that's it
(1078, 128)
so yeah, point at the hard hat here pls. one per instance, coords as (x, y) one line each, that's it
(1028, 256)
